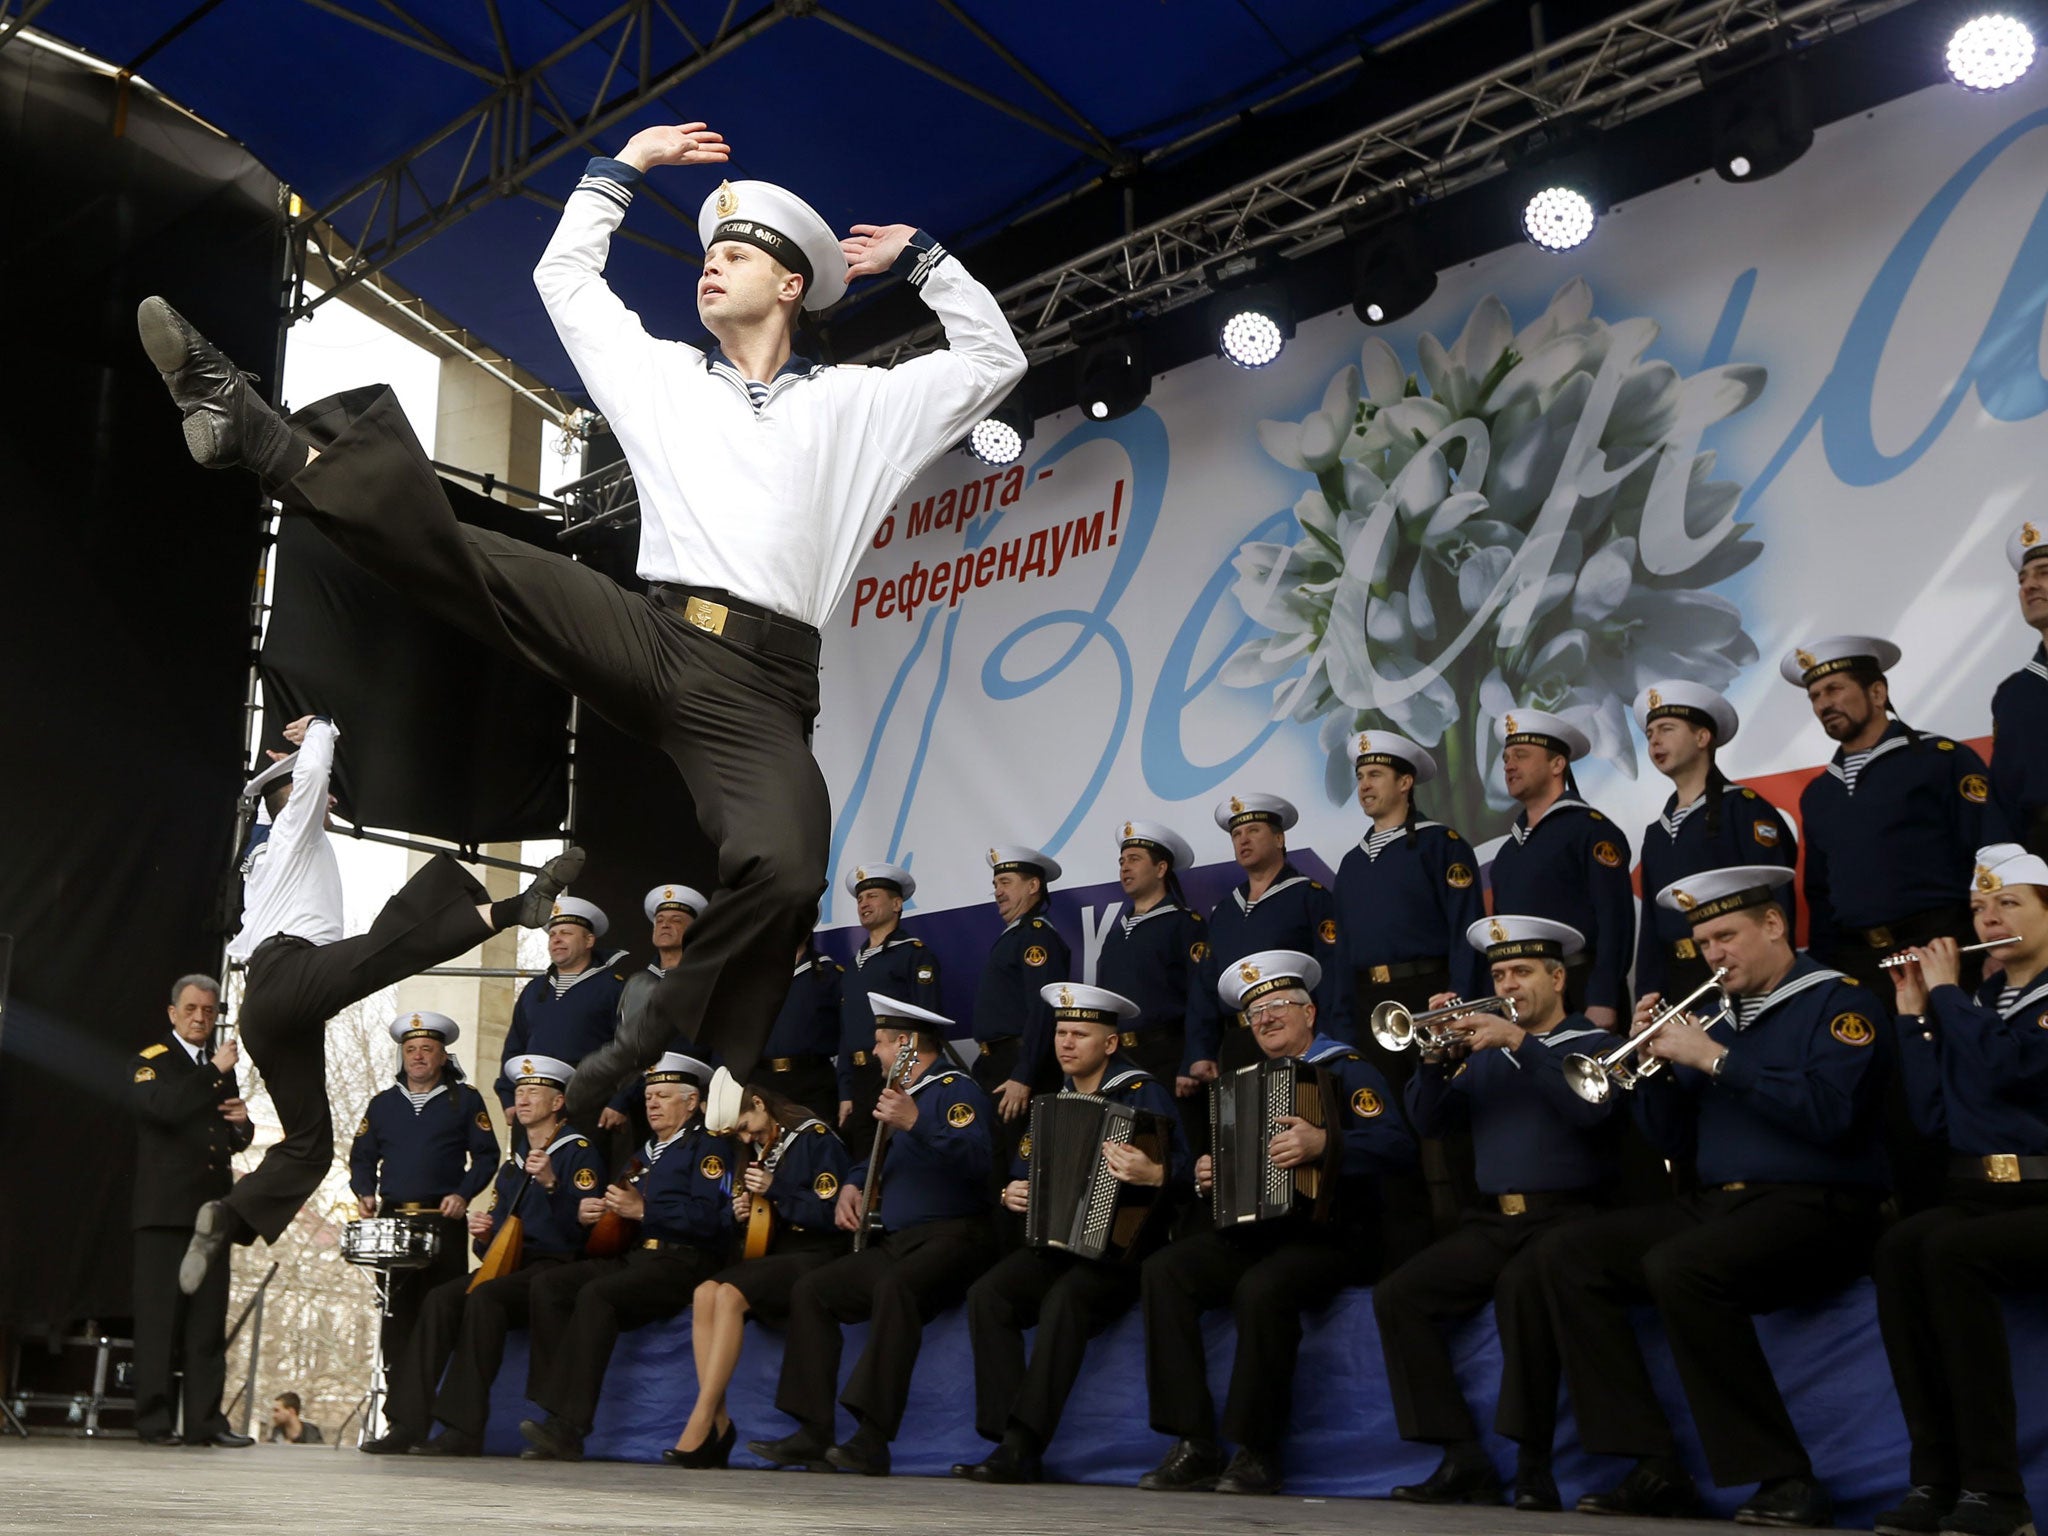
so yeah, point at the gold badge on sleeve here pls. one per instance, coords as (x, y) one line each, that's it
(959, 1116)
(1852, 1029)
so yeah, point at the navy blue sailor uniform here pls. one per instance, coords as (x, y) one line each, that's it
(580, 1309)
(1270, 1272)
(566, 1017)
(2019, 755)
(1976, 1075)
(1738, 827)
(900, 967)
(462, 1331)
(797, 1060)
(1154, 958)
(1295, 913)
(1544, 1156)
(935, 1239)
(1792, 1174)
(1012, 1023)
(807, 1167)
(1573, 867)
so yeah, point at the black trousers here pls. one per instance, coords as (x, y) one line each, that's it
(1268, 1278)
(859, 1131)
(579, 1310)
(180, 1340)
(410, 1288)
(897, 1285)
(1709, 1261)
(294, 989)
(1489, 1258)
(1068, 1300)
(462, 1333)
(1939, 1278)
(735, 721)
(1420, 1206)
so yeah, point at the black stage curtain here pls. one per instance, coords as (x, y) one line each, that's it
(124, 619)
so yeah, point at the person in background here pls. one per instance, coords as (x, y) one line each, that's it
(287, 1424)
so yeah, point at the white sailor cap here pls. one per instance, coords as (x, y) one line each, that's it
(1158, 837)
(887, 1009)
(890, 876)
(548, 1071)
(574, 909)
(425, 1026)
(1714, 892)
(1512, 937)
(2004, 864)
(1245, 981)
(1234, 811)
(1694, 703)
(779, 222)
(281, 769)
(673, 898)
(1396, 752)
(675, 1067)
(1807, 664)
(1536, 728)
(2024, 544)
(1005, 857)
(722, 1103)
(1091, 1005)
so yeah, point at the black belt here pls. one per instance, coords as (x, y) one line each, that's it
(791, 1063)
(418, 1208)
(1536, 1201)
(288, 940)
(1937, 922)
(1998, 1168)
(1132, 1037)
(731, 618)
(666, 1245)
(1684, 949)
(1401, 970)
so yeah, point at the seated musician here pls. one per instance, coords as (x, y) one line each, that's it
(1268, 1272)
(1976, 1073)
(462, 1330)
(424, 1150)
(928, 1235)
(1068, 1299)
(682, 1199)
(1545, 1156)
(1783, 1110)
(792, 1185)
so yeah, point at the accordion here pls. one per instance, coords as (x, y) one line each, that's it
(1076, 1204)
(1245, 1108)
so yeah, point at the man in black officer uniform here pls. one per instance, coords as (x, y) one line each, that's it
(423, 1151)
(1268, 1272)
(1566, 861)
(1012, 1023)
(683, 1203)
(797, 1060)
(461, 1328)
(2019, 709)
(1976, 1074)
(934, 1239)
(189, 1123)
(571, 1009)
(1152, 954)
(1782, 1109)
(892, 963)
(1065, 1298)
(1544, 1158)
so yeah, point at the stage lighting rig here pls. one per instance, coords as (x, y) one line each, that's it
(1757, 110)
(1110, 376)
(1393, 272)
(1990, 52)
(1250, 316)
(999, 437)
(1556, 197)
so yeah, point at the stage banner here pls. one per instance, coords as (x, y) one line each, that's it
(1739, 418)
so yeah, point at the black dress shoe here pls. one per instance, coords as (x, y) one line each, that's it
(1989, 1514)
(1654, 1488)
(1788, 1502)
(1251, 1471)
(393, 1442)
(226, 421)
(450, 1442)
(1919, 1513)
(211, 1229)
(806, 1448)
(1464, 1476)
(224, 1439)
(1191, 1466)
(550, 1440)
(866, 1453)
(1005, 1464)
(162, 1437)
(1536, 1492)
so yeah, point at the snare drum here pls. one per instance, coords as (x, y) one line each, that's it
(391, 1242)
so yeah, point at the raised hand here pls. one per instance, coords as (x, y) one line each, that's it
(680, 144)
(872, 249)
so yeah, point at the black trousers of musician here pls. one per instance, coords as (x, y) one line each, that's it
(579, 1310)
(810, 1080)
(461, 1333)
(1068, 1300)
(1491, 1257)
(859, 1130)
(295, 987)
(1710, 1261)
(1939, 1278)
(1919, 1164)
(1418, 1207)
(992, 1068)
(1268, 1276)
(1159, 1052)
(180, 1340)
(896, 1285)
(411, 1287)
(736, 720)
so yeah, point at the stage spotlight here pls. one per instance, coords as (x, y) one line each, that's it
(1757, 111)
(999, 437)
(1250, 316)
(1990, 52)
(1110, 375)
(1558, 217)
(1392, 273)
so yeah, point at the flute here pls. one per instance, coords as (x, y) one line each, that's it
(1904, 957)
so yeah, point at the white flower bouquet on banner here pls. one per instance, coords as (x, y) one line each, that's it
(1536, 528)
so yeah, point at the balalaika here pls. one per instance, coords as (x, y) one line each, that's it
(1245, 1109)
(1076, 1204)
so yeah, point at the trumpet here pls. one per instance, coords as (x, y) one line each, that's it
(1593, 1078)
(1905, 956)
(1396, 1027)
